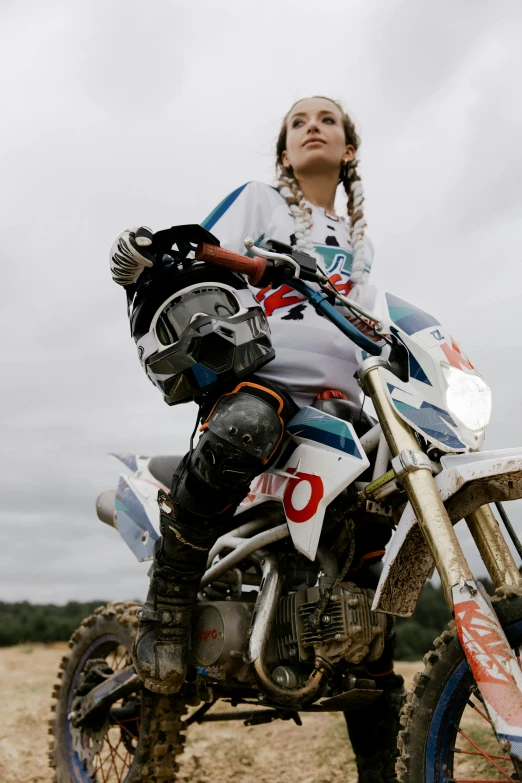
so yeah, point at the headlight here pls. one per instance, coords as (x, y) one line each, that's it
(468, 397)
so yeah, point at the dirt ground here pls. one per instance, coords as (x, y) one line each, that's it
(317, 752)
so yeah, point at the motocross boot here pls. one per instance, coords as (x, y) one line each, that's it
(159, 651)
(373, 733)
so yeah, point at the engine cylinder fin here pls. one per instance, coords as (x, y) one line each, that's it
(349, 629)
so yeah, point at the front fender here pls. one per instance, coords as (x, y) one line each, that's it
(466, 482)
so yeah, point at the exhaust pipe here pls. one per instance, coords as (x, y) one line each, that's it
(264, 615)
(105, 508)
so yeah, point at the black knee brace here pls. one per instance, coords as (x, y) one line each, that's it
(241, 434)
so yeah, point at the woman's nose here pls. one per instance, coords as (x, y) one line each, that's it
(312, 127)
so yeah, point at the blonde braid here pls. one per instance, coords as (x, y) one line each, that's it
(300, 209)
(354, 190)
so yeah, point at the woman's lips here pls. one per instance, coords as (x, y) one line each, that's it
(313, 141)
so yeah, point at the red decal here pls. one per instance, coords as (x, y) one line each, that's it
(281, 297)
(488, 654)
(306, 513)
(266, 484)
(455, 357)
(204, 636)
(261, 294)
(285, 295)
(342, 285)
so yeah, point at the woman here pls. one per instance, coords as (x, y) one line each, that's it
(316, 151)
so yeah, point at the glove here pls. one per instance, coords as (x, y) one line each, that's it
(129, 257)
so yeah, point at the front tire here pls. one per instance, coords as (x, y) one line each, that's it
(443, 737)
(140, 736)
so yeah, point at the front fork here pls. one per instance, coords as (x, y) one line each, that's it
(494, 665)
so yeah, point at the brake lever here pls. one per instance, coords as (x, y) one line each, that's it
(278, 258)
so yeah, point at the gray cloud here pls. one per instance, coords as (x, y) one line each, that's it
(131, 112)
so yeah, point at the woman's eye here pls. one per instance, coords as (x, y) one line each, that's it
(296, 123)
(329, 120)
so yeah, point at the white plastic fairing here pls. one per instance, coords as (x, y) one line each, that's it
(136, 510)
(451, 417)
(327, 459)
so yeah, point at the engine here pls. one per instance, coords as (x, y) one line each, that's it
(348, 631)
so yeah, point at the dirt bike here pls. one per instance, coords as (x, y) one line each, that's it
(278, 628)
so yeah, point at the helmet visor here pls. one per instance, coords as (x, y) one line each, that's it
(181, 311)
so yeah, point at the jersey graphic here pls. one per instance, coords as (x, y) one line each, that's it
(338, 264)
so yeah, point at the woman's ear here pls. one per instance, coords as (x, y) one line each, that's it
(349, 153)
(285, 160)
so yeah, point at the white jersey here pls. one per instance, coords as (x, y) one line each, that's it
(312, 355)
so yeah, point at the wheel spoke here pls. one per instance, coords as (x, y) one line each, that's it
(104, 779)
(98, 768)
(483, 753)
(125, 729)
(112, 656)
(119, 660)
(474, 753)
(471, 704)
(112, 764)
(114, 749)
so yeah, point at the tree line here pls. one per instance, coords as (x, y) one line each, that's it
(25, 623)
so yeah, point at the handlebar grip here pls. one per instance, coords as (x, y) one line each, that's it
(253, 268)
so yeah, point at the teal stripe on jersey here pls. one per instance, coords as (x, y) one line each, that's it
(222, 207)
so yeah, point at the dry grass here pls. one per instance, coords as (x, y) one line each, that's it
(317, 752)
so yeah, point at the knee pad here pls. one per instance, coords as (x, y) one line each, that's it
(240, 435)
(248, 424)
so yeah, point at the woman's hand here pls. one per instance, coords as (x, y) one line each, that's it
(129, 257)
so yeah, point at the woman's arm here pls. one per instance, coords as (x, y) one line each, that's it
(246, 212)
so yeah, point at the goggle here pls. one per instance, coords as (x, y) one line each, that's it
(185, 307)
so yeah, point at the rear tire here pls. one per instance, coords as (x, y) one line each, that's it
(431, 746)
(142, 746)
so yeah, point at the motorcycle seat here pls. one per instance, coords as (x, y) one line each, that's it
(163, 467)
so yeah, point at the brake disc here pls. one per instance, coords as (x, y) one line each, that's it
(87, 739)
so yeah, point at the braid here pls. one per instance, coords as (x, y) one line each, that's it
(300, 209)
(354, 190)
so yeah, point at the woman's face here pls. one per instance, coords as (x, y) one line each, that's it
(315, 140)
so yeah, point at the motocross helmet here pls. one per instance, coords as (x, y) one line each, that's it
(196, 327)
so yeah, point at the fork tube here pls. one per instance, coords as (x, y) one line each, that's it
(492, 547)
(422, 492)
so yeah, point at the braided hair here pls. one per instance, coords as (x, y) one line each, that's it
(289, 188)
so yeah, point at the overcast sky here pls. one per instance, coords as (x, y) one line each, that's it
(124, 112)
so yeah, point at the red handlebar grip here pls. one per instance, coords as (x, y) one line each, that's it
(253, 268)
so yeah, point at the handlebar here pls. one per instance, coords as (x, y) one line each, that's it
(252, 268)
(255, 268)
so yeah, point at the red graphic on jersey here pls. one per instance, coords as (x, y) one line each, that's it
(285, 295)
(281, 297)
(341, 284)
(488, 654)
(299, 515)
(455, 357)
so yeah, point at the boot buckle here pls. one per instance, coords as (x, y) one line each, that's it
(155, 615)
